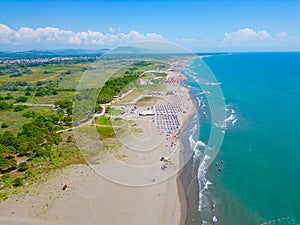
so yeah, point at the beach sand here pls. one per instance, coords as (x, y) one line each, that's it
(91, 199)
(150, 196)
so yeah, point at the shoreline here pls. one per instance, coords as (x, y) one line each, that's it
(180, 182)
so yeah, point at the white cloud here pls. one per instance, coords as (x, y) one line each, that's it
(5, 33)
(246, 35)
(246, 39)
(250, 38)
(52, 36)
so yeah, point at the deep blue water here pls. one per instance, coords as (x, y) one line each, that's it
(259, 181)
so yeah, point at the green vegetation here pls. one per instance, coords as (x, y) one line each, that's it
(104, 127)
(113, 111)
(3, 195)
(5, 106)
(113, 87)
(147, 100)
(19, 108)
(103, 120)
(4, 125)
(30, 140)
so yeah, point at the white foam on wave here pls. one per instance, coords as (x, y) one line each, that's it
(202, 180)
(207, 184)
(199, 101)
(275, 220)
(204, 92)
(214, 219)
(213, 83)
(230, 118)
(234, 121)
(199, 147)
(221, 125)
(191, 139)
(192, 142)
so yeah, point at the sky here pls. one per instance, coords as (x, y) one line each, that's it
(201, 26)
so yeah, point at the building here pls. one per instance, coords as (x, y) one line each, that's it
(146, 113)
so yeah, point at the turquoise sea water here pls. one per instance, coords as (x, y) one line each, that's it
(259, 181)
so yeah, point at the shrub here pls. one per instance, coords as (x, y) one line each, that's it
(29, 114)
(4, 125)
(18, 182)
(19, 108)
(21, 99)
(69, 138)
(5, 176)
(3, 196)
(23, 166)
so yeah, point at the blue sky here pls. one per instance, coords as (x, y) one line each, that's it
(198, 25)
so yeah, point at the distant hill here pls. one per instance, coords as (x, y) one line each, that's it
(87, 52)
(52, 53)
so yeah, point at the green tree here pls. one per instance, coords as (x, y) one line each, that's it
(8, 139)
(18, 182)
(19, 108)
(23, 166)
(4, 125)
(21, 99)
(6, 176)
(69, 138)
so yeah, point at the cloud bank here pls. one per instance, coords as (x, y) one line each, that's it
(246, 39)
(52, 36)
(251, 38)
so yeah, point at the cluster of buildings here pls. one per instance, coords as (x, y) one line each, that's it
(43, 60)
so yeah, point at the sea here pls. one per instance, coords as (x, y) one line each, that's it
(253, 177)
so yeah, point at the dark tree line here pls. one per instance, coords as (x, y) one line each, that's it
(113, 87)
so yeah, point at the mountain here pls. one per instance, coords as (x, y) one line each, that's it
(52, 53)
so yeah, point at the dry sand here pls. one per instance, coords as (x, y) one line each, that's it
(91, 199)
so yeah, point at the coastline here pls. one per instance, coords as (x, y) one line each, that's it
(88, 191)
(183, 174)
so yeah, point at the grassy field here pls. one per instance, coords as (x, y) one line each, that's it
(15, 120)
(147, 101)
(104, 127)
(45, 72)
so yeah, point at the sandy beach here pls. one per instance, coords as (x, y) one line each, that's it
(136, 185)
